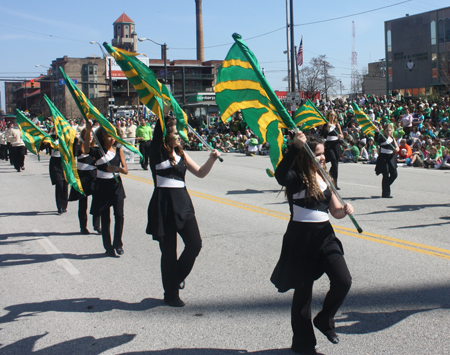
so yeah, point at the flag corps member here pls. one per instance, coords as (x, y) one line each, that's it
(171, 211)
(310, 247)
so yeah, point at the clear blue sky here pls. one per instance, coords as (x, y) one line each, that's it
(37, 32)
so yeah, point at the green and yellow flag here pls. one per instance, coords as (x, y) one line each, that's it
(308, 116)
(90, 111)
(367, 127)
(32, 135)
(66, 137)
(242, 86)
(151, 92)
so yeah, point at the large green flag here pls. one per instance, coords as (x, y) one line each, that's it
(308, 116)
(66, 137)
(32, 135)
(367, 127)
(242, 86)
(90, 111)
(151, 92)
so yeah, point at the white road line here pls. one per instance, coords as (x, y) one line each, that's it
(57, 255)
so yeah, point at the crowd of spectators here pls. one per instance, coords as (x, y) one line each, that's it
(420, 126)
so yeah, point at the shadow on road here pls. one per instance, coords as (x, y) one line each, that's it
(40, 234)
(409, 208)
(28, 213)
(209, 351)
(77, 305)
(86, 345)
(26, 259)
(428, 225)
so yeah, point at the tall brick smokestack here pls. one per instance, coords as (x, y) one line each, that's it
(200, 46)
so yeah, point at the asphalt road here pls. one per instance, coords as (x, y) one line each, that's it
(60, 295)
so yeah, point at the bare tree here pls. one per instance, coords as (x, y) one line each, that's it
(317, 77)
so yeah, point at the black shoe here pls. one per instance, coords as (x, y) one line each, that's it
(98, 230)
(386, 196)
(330, 334)
(84, 231)
(181, 285)
(64, 210)
(337, 188)
(174, 302)
(23, 168)
(60, 211)
(119, 251)
(110, 253)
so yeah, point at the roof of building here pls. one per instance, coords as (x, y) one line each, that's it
(124, 18)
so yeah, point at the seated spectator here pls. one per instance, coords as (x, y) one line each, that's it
(445, 160)
(351, 154)
(252, 146)
(363, 154)
(432, 159)
(416, 158)
(405, 151)
(444, 132)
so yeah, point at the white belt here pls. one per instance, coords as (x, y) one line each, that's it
(162, 181)
(301, 214)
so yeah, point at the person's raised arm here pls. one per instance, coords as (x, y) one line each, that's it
(201, 171)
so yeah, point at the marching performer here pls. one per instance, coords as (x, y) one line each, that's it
(387, 159)
(310, 247)
(108, 191)
(171, 211)
(333, 151)
(88, 174)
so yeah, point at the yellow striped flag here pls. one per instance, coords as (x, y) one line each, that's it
(151, 92)
(66, 137)
(367, 127)
(242, 86)
(308, 116)
(32, 135)
(90, 111)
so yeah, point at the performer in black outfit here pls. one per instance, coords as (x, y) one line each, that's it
(171, 211)
(332, 132)
(58, 179)
(88, 174)
(310, 247)
(387, 160)
(108, 191)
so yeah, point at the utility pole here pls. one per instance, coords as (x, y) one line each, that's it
(288, 46)
(293, 62)
(325, 79)
(111, 93)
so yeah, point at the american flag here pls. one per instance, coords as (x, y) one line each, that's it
(300, 54)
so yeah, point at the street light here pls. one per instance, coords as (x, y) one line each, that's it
(103, 51)
(43, 66)
(163, 54)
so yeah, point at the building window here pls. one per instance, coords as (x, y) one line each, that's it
(441, 31)
(447, 29)
(91, 71)
(433, 32)
(389, 41)
(435, 73)
(118, 27)
(126, 36)
(126, 27)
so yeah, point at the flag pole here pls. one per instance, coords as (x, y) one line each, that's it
(205, 143)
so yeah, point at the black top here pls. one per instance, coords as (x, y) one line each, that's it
(170, 207)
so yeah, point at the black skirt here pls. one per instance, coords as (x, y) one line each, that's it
(87, 178)
(56, 170)
(306, 250)
(332, 146)
(106, 193)
(168, 210)
(386, 163)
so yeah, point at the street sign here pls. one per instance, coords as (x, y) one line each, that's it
(293, 97)
(62, 82)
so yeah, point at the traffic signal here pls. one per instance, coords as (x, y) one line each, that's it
(32, 83)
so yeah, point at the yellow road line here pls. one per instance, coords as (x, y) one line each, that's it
(377, 238)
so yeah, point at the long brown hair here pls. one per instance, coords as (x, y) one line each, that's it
(169, 144)
(83, 136)
(305, 167)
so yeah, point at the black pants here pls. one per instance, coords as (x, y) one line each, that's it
(333, 153)
(61, 194)
(9, 153)
(144, 149)
(3, 152)
(118, 226)
(340, 282)
(388, 178)
(175, 271)
(18, 156)
(82, 214)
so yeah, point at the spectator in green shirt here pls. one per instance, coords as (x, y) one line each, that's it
(351, 154)
(144, 138)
